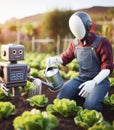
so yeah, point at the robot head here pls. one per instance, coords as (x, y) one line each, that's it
(12, 52)
(80, 24)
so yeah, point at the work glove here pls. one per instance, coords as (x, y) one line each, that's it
(88, 86)
(53, 60)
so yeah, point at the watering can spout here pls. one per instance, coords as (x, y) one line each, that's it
(45, 84)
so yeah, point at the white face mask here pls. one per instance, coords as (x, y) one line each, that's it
(77, 27)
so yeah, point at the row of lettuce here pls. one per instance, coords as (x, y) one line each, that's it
(35, 119)
(48, 119)
(37, 63)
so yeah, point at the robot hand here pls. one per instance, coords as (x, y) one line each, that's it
(87, 88)
(53, 60)
(37, 87)
(4, 89)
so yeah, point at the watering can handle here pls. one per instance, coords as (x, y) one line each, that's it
(51, 66)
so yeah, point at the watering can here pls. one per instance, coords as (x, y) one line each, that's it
(53, 77)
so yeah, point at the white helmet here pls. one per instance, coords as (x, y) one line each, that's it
(80, 24)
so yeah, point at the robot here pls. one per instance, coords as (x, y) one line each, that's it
(14, 74)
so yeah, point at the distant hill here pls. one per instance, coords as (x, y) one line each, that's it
(34, 18)
(93, 11)
(97, 11)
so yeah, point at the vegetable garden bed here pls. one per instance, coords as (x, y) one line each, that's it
(68, 123)
(37, 69)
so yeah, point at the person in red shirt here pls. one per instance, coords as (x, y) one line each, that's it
(95, 60)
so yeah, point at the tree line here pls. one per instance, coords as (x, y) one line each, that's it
(52, 25)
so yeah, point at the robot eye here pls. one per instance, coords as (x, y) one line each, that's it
(20, 51)
(14, 52)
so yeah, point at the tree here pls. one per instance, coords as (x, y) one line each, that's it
(29, 30)
(111, 12)
(12, 28)
(56, 23)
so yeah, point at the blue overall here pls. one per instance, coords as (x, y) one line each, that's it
(89, 67)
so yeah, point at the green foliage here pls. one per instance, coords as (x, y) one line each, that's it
(107, 30)
(6, 109)
(110, 101)
(34, 72)
(35, 120)
(71, 74)
(68, 75)
(72, 65)
(27, 88)
(102, 126)
(88, 118)
(111, 79)
(110, 12)
(64, 107)
(29, 29)
(56, 23)
(38, 65)
(36, 60)
(12, 28)
(38, 100)
(3, 96)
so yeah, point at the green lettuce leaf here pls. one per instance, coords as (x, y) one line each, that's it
(38, 100)
(35, 120)
(87, 118)
(110, 101)
(6, 109)
(64, 107)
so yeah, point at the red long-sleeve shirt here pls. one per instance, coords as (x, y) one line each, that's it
(103, 51)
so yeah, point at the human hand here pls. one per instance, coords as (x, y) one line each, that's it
(53, 60)
(87, 88)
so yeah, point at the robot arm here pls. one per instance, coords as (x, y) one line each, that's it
(4, 88)
(38, 86)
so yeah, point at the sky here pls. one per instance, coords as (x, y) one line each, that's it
(22, 8)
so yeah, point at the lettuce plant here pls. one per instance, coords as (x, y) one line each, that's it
(111, 81)
(6, 109)
(102, 126)
(64, 107)
(35, 120)
(110, 101)
(27, 88)
(38, 100)
(3, 96)
(87, 118)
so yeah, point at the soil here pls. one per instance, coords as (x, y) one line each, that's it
(64, 123)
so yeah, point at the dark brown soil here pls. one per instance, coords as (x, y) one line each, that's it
(64, 123)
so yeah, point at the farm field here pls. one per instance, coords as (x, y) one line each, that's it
(64, 122)
(37, 69)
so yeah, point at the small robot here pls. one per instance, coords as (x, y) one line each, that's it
(14, 74)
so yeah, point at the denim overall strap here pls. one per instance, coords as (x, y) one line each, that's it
(97, 41)
(89, 64)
